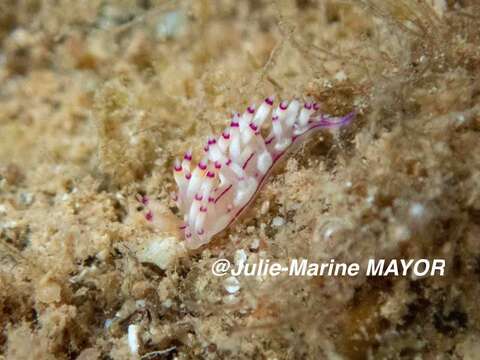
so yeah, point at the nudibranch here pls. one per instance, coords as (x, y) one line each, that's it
(213, 193)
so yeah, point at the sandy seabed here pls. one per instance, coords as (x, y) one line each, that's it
(98, 98)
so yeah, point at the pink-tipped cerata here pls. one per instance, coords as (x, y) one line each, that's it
(212, 194)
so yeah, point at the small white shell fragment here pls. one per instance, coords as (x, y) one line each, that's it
(401, 233)
(440, 7)
(230, 300)
(341, 76)
(102, 255)
(231, 284)
(26, 198)
(170, 24)
(417, 210)
(167, 303)
(9, 225)
(133, 343)
(329, 231)
(264, 208)
(278, 221)
(3, 209)
(327, 84)
(255, 244)
(161, 251)
(240, 257)
(140, 304)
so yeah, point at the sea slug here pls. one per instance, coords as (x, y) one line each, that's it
(235, 165)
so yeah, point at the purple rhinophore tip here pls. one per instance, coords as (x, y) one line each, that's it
(218, 165)
(202, 165)
(234, 124)
(149, 215)
(253, 127)
(188, 156)
(316, 106)
(183, 227)
(200, 232)
(203, 208)
(283, 105)
(269, 101)
(206, 148)
(210, 174)
(225, 135)
(229, 161)
(198, 197)
(269, 140)
(188, 176)
(251, 109)
(211, 141)
(144, 200)
(188, 235)
(308, 106)
(211, 199)
(274, 118)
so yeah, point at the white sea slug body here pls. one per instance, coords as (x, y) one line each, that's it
(213, 193)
